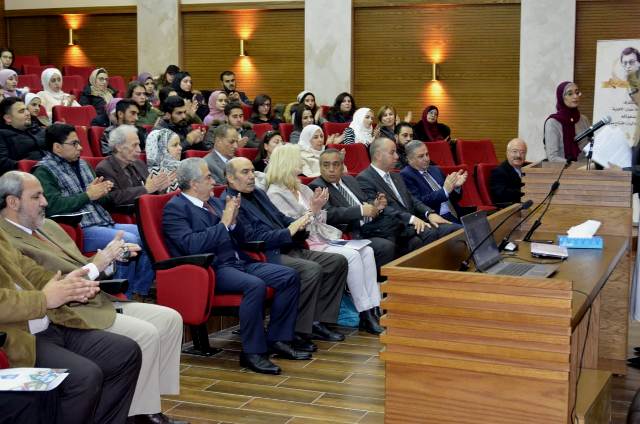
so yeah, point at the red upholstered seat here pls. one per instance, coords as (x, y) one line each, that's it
(483, 176)
(92, 161)
(4, 361)
(73, 82)
(470, 196)
(246, 111)
(95, 133)
(247, 152)
(83, 136)
(356, 156)
(35, 69)
(83, 71)
(80, 115)
(329, 128)
(285, 130)
(117, 82)
(30, 80)
(260, 129)
(19, 61)
(472, 152)
(195, 153)
(440, 153)
(305, 180)
(26, 165)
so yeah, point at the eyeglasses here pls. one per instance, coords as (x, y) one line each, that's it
(72, 143)
(573, 93)
(630, 62)
(102, 79)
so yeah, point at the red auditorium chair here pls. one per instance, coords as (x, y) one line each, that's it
(20, 61)
(472, 152)
(247, 152)
(95, 133)
(483, 175)
(35, 69)
(4, 360)
(260, 129)
(83, 71)
(356, 156)
(329, 128)
(285, 130)
(26, 165)
(30, 80)
(73, 82)
(305, 180)
(440, 153)
(246, 111)
(470, 196)
(92, 161)
(83, 136)
(117, 82)
(148, 128)
(79, 115)
(195, 153)
(185, 283)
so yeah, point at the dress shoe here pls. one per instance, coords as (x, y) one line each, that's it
(284, 350)
(303, 344)
(319, 331)
(158, 418)
(258, 363)
(635, 361)
(633, 365)
(636, 350)
(369, 322)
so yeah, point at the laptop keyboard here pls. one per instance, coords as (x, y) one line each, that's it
(513, 268)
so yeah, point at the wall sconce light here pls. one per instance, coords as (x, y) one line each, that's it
(243, 53)
(71, 42)
(434, 71)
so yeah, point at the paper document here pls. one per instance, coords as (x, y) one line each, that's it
(610, 148)
(585, 230)
(70, 214)
(31, 379)
(352, 244)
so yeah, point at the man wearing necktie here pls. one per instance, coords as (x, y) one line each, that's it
(195, 222)
(428, 184)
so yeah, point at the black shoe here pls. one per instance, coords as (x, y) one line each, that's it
(259, 363)
(636, 366)
(369, 322)
(635, 361)
(636, 350)
(301, 343)
(158, 418)
(284, 350)
(319, 331)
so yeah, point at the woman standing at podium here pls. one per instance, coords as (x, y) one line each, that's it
(561, 127)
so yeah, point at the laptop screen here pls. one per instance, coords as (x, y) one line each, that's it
(476, 228)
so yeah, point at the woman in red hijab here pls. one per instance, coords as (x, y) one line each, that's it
(429, 129)
(561, 127)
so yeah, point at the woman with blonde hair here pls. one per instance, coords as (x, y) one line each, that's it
(294, 200)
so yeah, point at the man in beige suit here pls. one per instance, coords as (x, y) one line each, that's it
(157, 329)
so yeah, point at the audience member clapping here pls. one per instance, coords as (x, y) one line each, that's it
(52, 94)
(429, 129)
(176, 119)
(163, 155)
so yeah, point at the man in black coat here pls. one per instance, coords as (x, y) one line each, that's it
(18, 140)
(505, 183)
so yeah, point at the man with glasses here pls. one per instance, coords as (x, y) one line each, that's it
(18, 139)
(225, 144)
(505, 183)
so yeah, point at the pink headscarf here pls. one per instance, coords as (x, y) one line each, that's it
(5, 74)
(214, 113)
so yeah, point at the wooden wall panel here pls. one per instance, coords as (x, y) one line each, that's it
(275, 45)
(599, 20)
(478, 46)
(103, 40)
(3, 26)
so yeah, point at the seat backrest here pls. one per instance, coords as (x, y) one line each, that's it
(470, 196)
(73, 82)
(30, 80)
(356, 156)
(483, 177)
(149, 213)
(305, 180)
(218, 189)
(26, 165)
(92, 161)
(95, 133)
(4, 360)
(117, 82)
(440, 153)
(35, 69)
(83, 71)
(333, 128)
(247, 152)
(260, 129)
(472, 152)
(246, 111)
(19, 61)
(81, 131)
(285, 130)
(78, 115)
(195, 153)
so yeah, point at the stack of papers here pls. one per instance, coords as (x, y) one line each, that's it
(352, 244)
(585, 230)
(31, 379)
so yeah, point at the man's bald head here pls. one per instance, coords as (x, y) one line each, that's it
(240, 175)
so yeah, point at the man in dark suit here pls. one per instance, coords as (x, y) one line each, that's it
(194, 222)
(322, 275)
(378, 178)
(428, 184)
(505, 183)
(347, 207)
(225, 144)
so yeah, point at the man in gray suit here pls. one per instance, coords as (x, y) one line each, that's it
(225, 143)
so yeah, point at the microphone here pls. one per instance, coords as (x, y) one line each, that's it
(464, 265)
(593, 128)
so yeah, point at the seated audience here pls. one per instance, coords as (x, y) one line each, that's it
(175, 118)
(306, 99)
(9, 84)
(311, 145)
(167, 77)
(194, 101)
(343, 108)
(429, 129)
(156, 329)
(505, 184)
(270, 141)
(322, 275)
(33, 102)
(302, 118)
(146, 80)
(109, 118)
(348, 209)
(388, 119)
(18, 139)
(194, 222)
(561, 127)
(262, 112)
(126, 113)
(217, 102)
(418, 224)
(235, 118)
(163, 156)
(225, 143)
(147, 114)
(70, 186)
(294, 200)
(360, 130)
(98, 93)
(228, 79)
(403, 134)
(52, 94)
(43, 331)
(6, 59)
(427, 183)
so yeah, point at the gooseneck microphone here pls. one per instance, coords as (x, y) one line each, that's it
(464, 265)
(593, 128)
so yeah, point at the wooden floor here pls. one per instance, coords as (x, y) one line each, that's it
(343, 383)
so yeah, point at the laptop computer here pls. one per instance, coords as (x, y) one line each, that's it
(487, 256)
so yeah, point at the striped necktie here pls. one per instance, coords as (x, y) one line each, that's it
(349, 198)
(392, 186)
(445, 207)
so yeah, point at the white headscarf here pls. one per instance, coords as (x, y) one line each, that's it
(302, 95)
(28, 98)
(305, 139)
(363, 135)
(46, 76)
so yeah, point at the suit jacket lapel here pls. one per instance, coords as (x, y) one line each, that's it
(355, 190)
(383, 185)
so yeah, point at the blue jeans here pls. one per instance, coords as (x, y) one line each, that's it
(138, 271)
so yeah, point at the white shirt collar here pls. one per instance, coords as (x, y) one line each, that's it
(25, 229)
(379, 171)
(199, 203)
(225, 160)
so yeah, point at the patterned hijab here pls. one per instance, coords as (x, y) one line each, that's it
(305, 139)
(363, 135)
(95, 91)
(156, 147)
(568, 117)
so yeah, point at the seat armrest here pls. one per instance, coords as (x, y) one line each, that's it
(128, 209)
(115, 286)
(257, 246)
(3, 338)
(204, 260)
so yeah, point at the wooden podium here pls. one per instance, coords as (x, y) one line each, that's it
(464, 347)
